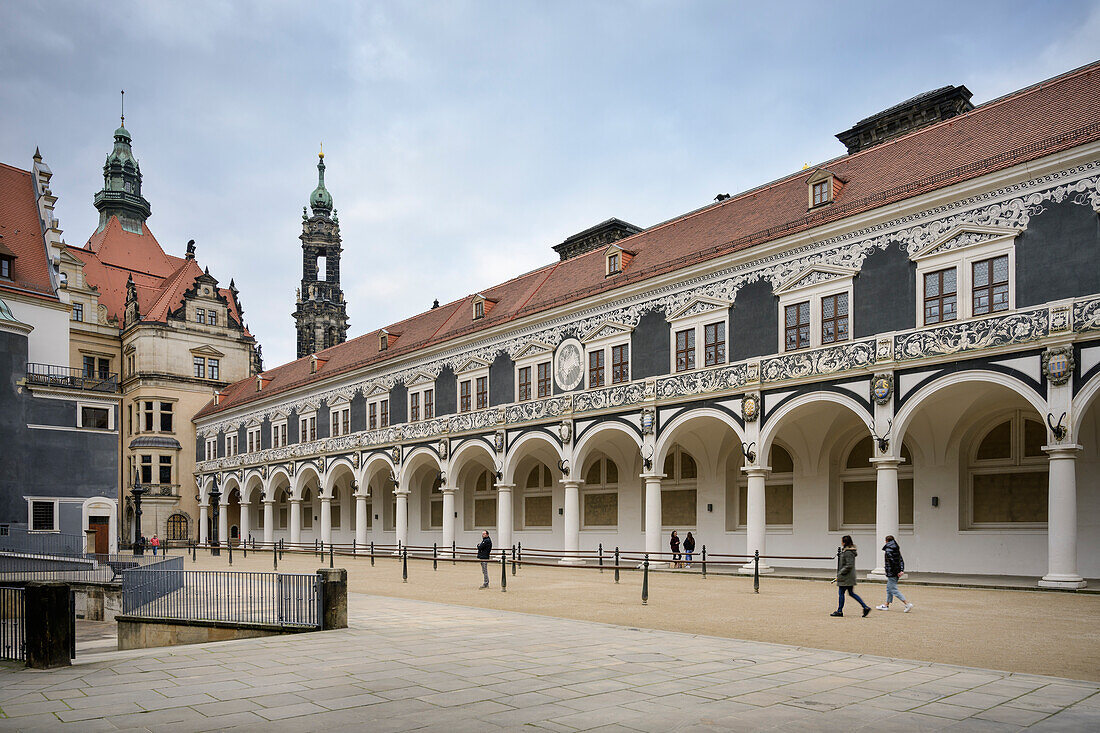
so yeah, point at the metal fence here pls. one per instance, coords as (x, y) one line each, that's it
(54, 375)
(18, 539)
(24, 566)
(13, 628)
(223, 595)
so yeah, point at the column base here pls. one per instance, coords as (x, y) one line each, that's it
(749, 568)
(572, 561)
(878, 574)
(1066, 582)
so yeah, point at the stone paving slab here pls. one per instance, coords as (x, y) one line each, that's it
(413, 665)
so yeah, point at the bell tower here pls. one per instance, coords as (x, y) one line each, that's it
(321, 315)
(121, 194)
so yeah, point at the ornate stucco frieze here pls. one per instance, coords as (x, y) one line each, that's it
(827, 360)
(953, 338)
(703, 382)
(617, 396)
(538, 409)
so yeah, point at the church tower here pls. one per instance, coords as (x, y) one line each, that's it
(321, 315)
(121, 194)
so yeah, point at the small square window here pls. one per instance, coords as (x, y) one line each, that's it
(42, 516)
(78, 312)
(98, 418)
(613, 263)
(821, 193)
(5, 267)
(200, 315)
(200, 367)
(213, 365)
(212, 316)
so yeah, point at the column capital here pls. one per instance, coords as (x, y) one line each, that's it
(756, 470)
(651, 476)
(402, 492)
(1062, 450)
(571, 483)
(294, 500)
(326, 499)
(448, 490)
(505, 487)
(886, 462)
(268, 501)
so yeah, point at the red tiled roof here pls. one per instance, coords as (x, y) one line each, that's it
(1034, 122)
(21, 234)
(114, 255)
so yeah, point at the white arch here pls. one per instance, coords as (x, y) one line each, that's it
(301, 477)
(668, 433)
(776, 419)
(251, 474)
(269, 485)
(101, 506)
(419, 455)
(333, 471)
(251, 482)
(1082, 402)
(470, 447)
(377, 462)
(231, 482)
(905, 415)
(516, 454)
(204, 488)
(580, 450)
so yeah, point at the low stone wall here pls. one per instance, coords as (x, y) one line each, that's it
(95, 602)
(143, 633)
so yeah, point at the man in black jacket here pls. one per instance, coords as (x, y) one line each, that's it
(484, 553)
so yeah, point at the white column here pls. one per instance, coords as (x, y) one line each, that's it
(295, 521)
(401, 521)
(572, 540)
(448, 515)
(886, 509)
(1062, 519)
(755, 519)
(204, 521)
(269, 521)
(504, 515)
(223, 522)
(360, 520)
(326, 519)
(246, 509)
(653, 519)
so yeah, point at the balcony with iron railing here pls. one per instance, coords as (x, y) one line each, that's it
(53, 375)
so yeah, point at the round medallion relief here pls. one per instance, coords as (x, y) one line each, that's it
(568, 365)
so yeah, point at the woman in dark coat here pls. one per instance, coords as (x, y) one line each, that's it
(689, 548)
(846, 576)
(674, 544)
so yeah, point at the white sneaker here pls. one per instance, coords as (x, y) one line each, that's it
(883, 607)
(908, 608)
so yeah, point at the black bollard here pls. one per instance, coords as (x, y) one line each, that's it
(331, 552)
(435, 556)
(645, 580)
(513, 559)
(704, 562)
(194, 552)
(372, 553)
(244, 545)
(616, 564)
(454, 552)
(519, 552)
(601, 557)
(275, 555)
(282, 548)
(353, 552)
(756, 572)
(503, 571)
(404, 565)
(230, 545)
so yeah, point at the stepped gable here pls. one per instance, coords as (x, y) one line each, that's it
(21, 235)
(113, 255)
(1034, 122)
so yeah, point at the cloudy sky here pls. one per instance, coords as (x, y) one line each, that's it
(464, 139)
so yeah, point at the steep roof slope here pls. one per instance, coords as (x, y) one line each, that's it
(21, 235)
(1034, 122)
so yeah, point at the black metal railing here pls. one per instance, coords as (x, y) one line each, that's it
(53, 375)
(276, 599)
(18, 539)
(20, 567)
(13, 628)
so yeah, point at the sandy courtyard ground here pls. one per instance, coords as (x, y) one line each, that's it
(1020, 631)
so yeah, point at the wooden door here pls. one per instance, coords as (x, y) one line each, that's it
(102, 528)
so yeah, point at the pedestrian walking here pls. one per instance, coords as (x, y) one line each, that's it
(846, 576)
(674, 543)
(485, 553)
(155, 542)
(894, 564)
(689, 548)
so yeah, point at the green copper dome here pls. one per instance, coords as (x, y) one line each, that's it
(123, 132)
(320, 200)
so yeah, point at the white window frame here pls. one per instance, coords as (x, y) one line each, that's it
(418, 386)
(336, 411)
(532, 355)
(1016, 462)
(109, 406)
(211, 451)
(232, 444)
(377, 401)
(252, 434)
(279, 431)
(306, 417)
(793, 293)
(929, 260)
(718, 313)
(470, 372)
(603, 338)
(31, 501)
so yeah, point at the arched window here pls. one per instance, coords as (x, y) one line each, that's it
(538, 498)
(778, 493)
(307, 509)
(281, 505)
(1007, 476)
(857, 501)
(678, 489)
(485, 501)
(600, 494)
(177, 528)
(435, 500)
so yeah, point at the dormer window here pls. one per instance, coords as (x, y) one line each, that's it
(824, 187)
(482, 306)
(616, 259)
(315, 363)
(5, 266)
(383, 341)
(613, 263)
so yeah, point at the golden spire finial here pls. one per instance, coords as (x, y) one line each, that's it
(321, 154)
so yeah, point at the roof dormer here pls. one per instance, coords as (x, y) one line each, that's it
(616, 259)
(823, 187)
(261, 382)
(316, 362)
(482, 306)
(386, 339)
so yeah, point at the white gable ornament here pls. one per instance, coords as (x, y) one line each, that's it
(814, 275)
(962, 236)
(697, 305)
